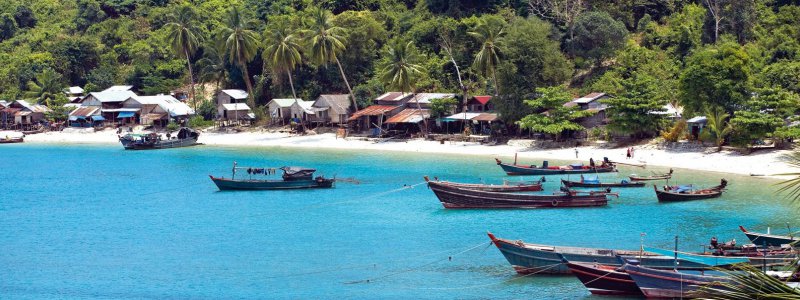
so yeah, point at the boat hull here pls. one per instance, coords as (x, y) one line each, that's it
(460, 198)
(676, 197)
(634, 178)
(231, 184)
(523, 170)
(760, 239)
(11, 140)
(604, 280)
(506, 188)
(163, 144)
(568, 183)
(669, 284)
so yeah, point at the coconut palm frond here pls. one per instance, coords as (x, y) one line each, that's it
(747, 282)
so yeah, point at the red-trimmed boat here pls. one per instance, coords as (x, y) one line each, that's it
(506, 187)
(686, 193)
(603, 279)
(453, 196)
(515, 169)
(633, 177)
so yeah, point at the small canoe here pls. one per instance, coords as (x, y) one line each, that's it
(458, 197)
(506, 187)
(759, 239)
(514, 169)
(633, 177)
(603, 279)
(686, 193)
(623, 183)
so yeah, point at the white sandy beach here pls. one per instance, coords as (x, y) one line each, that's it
(763, 162)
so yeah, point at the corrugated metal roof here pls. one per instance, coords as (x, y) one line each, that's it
(410, 115)
(589, 98)
(235, 106)
(339, 103)
(699, 119)
(284, 102)
(167, 103)
(236, 94)
(306, 106)
(486, 117)
(427, 97)
(74, 90)
(112, 96)
(372, 110)
(118, 88)
(84, 111)
(23, 113)
(392, 96)
(464, 116)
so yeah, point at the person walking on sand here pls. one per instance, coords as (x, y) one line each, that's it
(576, 152)
(628, 156)
(632, 152)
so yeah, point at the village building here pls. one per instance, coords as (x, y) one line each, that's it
(696, 125)
(110, 101)
(332, 108)
(395, 109)
(280, 110)
(591, 102)
(85, 116)
(232, 106)
(74, 94)
(302, 111)
(477, 116)
(155, 110)
(22, 115)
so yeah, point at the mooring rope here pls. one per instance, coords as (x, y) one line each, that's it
(405, 187)
(342, 268)
(417, 267)
(548, 267)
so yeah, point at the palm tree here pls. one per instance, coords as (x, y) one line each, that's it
(282, 51)
(46, 87)
(489, 33)
(325, 42)
(402, 69)
(718, 125)
(213, 65)
(184, 37)
(241, 45)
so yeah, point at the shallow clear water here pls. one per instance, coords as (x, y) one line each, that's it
(101, 222)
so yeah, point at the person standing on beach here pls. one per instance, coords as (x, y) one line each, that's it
(632, 152)
(628, 156)
(576, 152)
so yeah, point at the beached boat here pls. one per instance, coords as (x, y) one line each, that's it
(603, 279)
(11, 140)
(506, 187)
(670, 283)
(459, 197)
(634, 177)
(515, 169)
(686, 193)
(293, 178)
(134, 141)
(768, 239)
(528, 258)
(594, 182)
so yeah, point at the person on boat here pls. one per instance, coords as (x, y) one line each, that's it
(714, 242)
(591, 163)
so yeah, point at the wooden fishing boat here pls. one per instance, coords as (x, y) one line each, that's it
(633, 177)
(506, 187)
(604, 280)
(527, 258)
(185, 137)
(293, 178)
(670, 283)
(686, 193)
(768, 239)
(459, 197)
(11, 140)
(515, 169)
(595, 183)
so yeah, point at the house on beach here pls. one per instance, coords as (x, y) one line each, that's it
(332, 108)
(232, 106)
(155, 110)
(477, 115)
(591, 102)
(85, 116)
(25, 115)
(280, 109)
(110, 101)
(74, 94)
(396, 109)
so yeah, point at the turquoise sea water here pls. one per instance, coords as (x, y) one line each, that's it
(100, 222)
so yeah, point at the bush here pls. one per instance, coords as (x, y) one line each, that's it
(172, 126)
(199, 122)
(674, 133)
(207, 109)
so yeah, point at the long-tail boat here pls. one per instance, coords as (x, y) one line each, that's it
(593, 182)
(515, 169)
(686, 193)
(292, 178)
(634, 177)
(603, 279)
(528, 258)
(670, 283)
(506, 187)
(459, 197)
(768, 239)
(135, 141)
(11, 140)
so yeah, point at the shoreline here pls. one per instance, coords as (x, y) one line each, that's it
(764, 163)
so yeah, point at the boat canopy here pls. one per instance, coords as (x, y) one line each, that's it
(708, 260)
(293, 170)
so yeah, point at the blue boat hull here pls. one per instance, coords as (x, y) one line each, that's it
(525, 170)
(231, 184)
(670, 284)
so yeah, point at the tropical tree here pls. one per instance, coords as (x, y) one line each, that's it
(241, 45)
(719, 125)
(47, 86)
(325, 42)
(402, 69)
(282, 51)
(184, 37)
(551, 116)
(213, 65)
(489, 33)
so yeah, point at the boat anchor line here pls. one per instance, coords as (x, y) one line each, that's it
(495, 283)
(449, 258)
(405, 187)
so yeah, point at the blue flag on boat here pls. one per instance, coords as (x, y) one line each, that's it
(708, 260)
